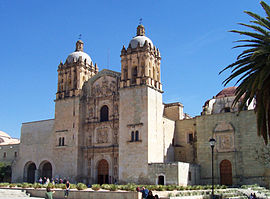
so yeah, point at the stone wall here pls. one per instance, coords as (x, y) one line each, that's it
(75, 194)
(9, 152)
(185, 149)
(179, 173)
(35, 146)
(237, 140)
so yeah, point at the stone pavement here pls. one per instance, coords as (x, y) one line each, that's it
(15, 194)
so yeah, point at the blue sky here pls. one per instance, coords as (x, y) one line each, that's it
(36, 35)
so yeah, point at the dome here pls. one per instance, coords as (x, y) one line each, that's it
(74, 57)
(3, 134)
(227, 92)
(140, 40)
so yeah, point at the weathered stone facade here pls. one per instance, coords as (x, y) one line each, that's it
(114, 127)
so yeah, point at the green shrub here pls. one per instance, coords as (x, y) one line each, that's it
(4, 184)
(95, 187)
(73, 186)
(113, 187)
(12, 185)
(27, 185)
(51, 185)
(37, 185)
(81, 186)
(105, 186)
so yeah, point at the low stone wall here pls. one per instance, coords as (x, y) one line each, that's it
(75, 194)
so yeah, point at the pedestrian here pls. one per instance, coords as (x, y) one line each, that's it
(40, 180)
(67, 189)
(49, 193)
(156, 196)
(144, 192)
(150, 195)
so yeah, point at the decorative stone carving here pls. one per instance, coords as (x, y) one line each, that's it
(104, 88)
(224, 134)
(102, 135)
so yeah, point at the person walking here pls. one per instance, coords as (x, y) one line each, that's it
(144, 192)
(67, 189)
(49, 193)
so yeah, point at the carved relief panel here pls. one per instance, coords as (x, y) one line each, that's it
(102, 135)
(224, 135)
(104, 86)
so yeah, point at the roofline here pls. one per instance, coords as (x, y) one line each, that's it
(37, 121)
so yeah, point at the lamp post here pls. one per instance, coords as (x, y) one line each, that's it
(212, 142)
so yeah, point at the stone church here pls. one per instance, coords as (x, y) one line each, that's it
(112, 127)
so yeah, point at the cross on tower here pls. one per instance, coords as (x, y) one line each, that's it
(140, 21)
(80, 36)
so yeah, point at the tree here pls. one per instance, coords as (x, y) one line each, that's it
(252, 69)
(5, 172)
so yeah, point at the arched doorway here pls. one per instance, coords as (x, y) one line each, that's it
(103, 172)
(46, 170)
(30, 172)
(225, 172)
(161, 180)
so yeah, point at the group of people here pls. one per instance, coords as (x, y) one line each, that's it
(49, 192)
(252, 196)
(46, 180)
(146, 194)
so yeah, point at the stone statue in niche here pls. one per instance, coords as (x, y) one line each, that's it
(90, 140)
(102, 136)
(91, 112)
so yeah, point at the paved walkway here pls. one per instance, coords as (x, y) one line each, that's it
(14, 194)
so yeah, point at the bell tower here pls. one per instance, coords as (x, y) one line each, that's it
(77, 69)
(141, 109)
(140, 62)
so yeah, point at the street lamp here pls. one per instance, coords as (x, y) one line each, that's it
(212, 142)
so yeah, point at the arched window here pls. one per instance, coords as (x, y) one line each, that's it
(132, 136)
(59, 144)
(63, 141)
(137, 136)
(125, 74)
(134, 75)
(104, 113)
(5, 155)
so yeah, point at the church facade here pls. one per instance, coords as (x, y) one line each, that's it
(114, 127)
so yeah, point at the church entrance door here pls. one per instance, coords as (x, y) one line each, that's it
(103, 172)
(31, 173)
(226, 172)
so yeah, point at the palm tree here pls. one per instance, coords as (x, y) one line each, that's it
(252, 69)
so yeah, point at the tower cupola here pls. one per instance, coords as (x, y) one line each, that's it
(140, 30)
(77, 69)
(140, 62)
(79, 45)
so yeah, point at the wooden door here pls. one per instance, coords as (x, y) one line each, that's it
(103, 172)
(226, 172)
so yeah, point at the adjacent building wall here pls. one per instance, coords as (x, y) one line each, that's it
(237, 141)
(36, 146)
